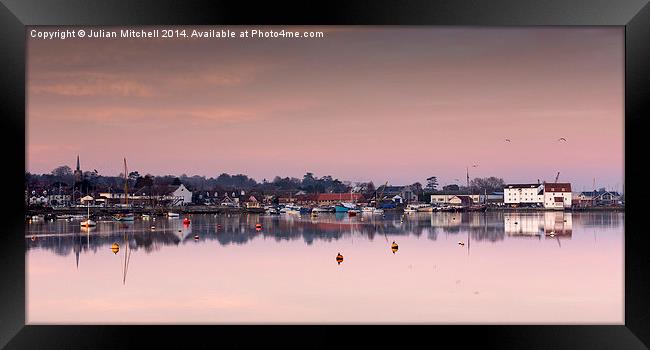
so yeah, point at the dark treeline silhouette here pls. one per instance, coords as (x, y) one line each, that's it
(62, 178)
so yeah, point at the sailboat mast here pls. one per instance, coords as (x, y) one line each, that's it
(126, 186)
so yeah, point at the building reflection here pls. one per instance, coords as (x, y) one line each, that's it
(539, 224)
(65, 238)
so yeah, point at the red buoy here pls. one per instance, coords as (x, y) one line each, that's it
(186, 221)
(258, 227)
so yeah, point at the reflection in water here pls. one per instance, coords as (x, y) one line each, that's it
(63, 237)
(238, 266)
(539, 224)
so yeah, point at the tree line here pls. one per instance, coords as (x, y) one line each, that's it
(92, 181)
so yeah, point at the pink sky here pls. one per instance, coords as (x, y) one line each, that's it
(395, 104)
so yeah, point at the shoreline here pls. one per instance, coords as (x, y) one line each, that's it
(230, 210)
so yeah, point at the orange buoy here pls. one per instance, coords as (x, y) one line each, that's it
(115, 248)
(258, 227)
(196, 237)
(33, 237)
(339, 258)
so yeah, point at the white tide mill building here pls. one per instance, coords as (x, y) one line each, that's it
(550, 195)
(523, 194)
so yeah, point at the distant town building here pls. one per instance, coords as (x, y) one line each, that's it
(453, 198)
(327, 199)
(406, 193)
(523, 195)
(597, 198)
(78, 174)
(557, 195)
(252, 202)
(164, 195)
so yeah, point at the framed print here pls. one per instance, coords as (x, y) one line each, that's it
(347, 172)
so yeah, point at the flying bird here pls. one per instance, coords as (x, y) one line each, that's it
(508, 140)
(562, 139)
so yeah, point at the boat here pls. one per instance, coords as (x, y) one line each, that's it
(146, 217)
(367, 209)
(88, 222)
(272, 210)
(173, 215)
(425, 208)
(478, 207)
(410, 209)
(353, 212)
(322, 209)
(124, 217)
(291, 209)
(344, 207)
(378, 211)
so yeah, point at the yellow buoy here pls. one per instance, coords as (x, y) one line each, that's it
(115, 248)
(394, 247)
(339, 258)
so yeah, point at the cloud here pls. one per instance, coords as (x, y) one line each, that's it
(89, 84)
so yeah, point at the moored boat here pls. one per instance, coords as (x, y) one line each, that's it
(173, 215)
(322, 209)
(88, 222)
(344, 207)
(410, 209)
(124, 217)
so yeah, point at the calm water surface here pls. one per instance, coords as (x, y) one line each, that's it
(509, 270)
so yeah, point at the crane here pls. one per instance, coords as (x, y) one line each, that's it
(557, 176)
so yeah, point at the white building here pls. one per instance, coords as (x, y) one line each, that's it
(523, 194)
(453, 198)
(180, 196)
(557, 195)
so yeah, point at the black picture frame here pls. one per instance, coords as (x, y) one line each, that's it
(634, 15)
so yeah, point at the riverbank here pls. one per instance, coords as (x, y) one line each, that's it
(99, 211)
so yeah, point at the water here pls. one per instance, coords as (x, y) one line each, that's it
(537, 267)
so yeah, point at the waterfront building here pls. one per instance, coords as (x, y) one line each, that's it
(557, 195)
(453, 198)
(328, 199)
(226, 201)
(597, 198)
(524, 195)
(405, 193)
(167, 195)
(252, 202)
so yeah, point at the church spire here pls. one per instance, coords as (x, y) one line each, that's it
(78, 167)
